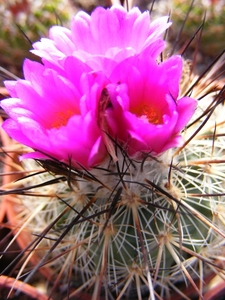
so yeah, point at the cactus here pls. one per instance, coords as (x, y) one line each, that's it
(134, 228)
(147, 229)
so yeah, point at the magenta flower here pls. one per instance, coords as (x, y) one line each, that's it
(104, 39)
(98, 82)
(55, 115)
(146, 115)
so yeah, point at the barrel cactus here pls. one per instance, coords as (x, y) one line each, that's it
(126, 197)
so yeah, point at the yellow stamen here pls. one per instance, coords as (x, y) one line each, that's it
(151, 115)
(61, 118)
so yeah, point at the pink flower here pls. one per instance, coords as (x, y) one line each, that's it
(99, 81)
(104, 39)
(55, 115)
(146, 115)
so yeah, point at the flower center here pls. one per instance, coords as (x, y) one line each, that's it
(150, 114)
(61, 118)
